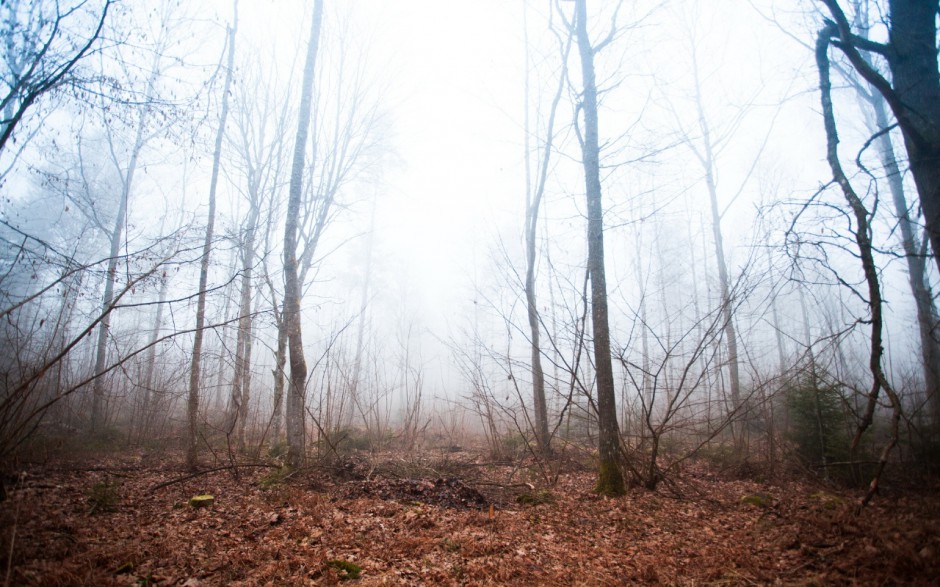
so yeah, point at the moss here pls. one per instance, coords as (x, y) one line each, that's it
(347, 570)
(828, 501)
(761, 500)
(201, 501)
(610, 480)
(536, 498)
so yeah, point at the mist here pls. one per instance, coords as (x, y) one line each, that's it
(633, 234)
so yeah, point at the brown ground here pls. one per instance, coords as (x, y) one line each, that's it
(449, 520)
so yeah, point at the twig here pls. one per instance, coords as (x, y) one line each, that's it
(503, 485)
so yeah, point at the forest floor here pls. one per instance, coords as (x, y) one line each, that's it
(447, 519)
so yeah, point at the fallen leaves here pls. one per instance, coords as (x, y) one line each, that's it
(448, 530)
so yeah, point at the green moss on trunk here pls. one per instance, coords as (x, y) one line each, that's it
(610, 480)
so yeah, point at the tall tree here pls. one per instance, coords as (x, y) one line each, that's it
(610, 478)
(292, 286)
(534, 195)
(912, 92)
(259, 121)
(706, 157)
(927, 318)
(862, 234)
(192, 407)
(144, 112)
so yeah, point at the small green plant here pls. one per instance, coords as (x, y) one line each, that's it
(513, 445)
(450, 545)
(347, 571)
(818, 427)
(104, 496)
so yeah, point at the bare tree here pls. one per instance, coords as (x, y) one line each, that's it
(862, 234)
(912, 93)
(913, 246)
(534, 196)
(142, 135)
(192, 406)
(610, 478)
(292, 283)
(260, 155)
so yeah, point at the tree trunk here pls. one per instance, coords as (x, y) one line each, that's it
(610, 478)
(149, 400)
(280, 361)
(707, 159)
(241, 391)
(192, 454)
(291, 313)
(927, 318)
(862, 234)
(534, 195)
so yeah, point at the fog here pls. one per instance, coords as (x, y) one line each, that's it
(428, 130)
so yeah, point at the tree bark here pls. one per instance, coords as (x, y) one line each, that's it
(291, 313)
(610, 478)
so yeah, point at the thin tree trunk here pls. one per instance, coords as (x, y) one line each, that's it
(192, 454)
(149, 400)
(291, 313)
(707, 159)
(238, 402)
(862, 233)
(534, 195)
(120, 220)
(610, 478)
(280, 361)
(363, 307)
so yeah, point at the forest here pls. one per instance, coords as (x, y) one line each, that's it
(517, 292)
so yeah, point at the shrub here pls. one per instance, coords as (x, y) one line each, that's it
(818, 426)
